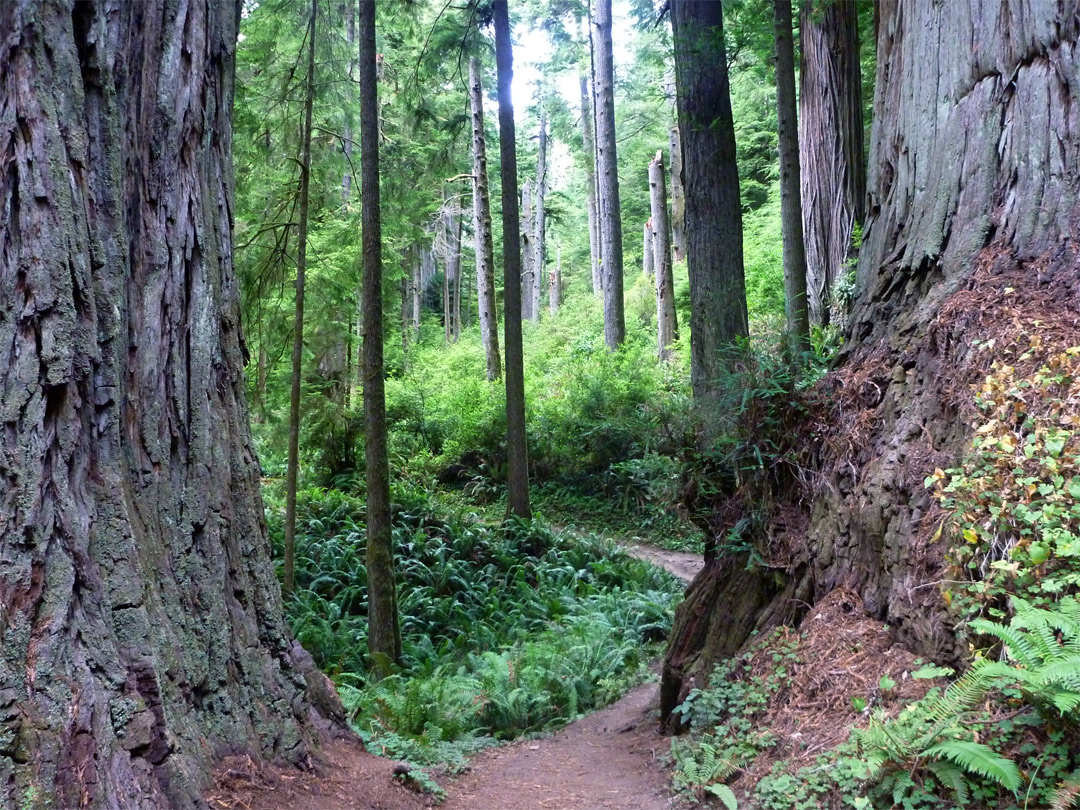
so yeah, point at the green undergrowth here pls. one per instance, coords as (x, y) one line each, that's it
(1005, 734)
(506, 628)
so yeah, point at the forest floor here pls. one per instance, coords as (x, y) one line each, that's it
(608, 759)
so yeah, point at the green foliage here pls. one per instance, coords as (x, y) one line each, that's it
(1014, 504)
(723, 717)
(505, 629)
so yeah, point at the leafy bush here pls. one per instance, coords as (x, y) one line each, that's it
(1014, 503)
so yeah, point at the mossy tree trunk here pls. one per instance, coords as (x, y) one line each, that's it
(972, 212)
(140, 617)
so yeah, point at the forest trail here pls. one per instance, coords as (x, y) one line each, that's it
(608, 759)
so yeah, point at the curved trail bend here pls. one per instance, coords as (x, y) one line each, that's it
(607, 760)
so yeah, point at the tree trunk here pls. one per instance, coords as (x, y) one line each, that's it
(791, 222)
(540, 223)
(555, 283)
(141, 628)
(415, 293)
(293, 464)
(648, 255)
(528, 255)
(384, 634)
(444, 230)
(607, 170)
(452, 269)
(969, 236)
(349, 10)
(833, 170)
(678, 198)
(517, 452)
(590, 184)
(667, 328)
(718, 317)
(485, 250)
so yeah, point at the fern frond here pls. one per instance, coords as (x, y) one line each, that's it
(725, 794)
(1021, 647)
(980, 759)
(951, 777)
(1066, 795)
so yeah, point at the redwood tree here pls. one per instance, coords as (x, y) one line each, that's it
(831, 161)
(713, 214)
(607, 172)
(141, 620)
(970, 235)
(384, 633)
(517, 452)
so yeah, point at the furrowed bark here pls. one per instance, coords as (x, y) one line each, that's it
(140, 616)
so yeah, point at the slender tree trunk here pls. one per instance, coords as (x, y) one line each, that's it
(607, 170)
(349, 10)
(444, 229)
(406, 280)
(384, 634)
(648, 256)
(833, 171)
(416, 291)
(540, 225)
(678, 198)
(142, 629)
(714, 256)
(590, 183)
(293, 464)
(517, 450)
(791, 221)
(555, 283)
(528, 271)
(667, 328)
(452, 269)
(485, 251)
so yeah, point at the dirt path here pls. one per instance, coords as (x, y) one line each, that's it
(682, 564)
(604, 761)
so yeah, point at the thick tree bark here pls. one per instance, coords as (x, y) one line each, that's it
(970, 235)
(517, 451)
(678, 198)
(296, 377)
(718, 316)
(590, 185)
(540, 221)
(833, 169)
(141, 621)
(384, 634)
(607, 170)
(485, 250)
(791, 220)
(667, 328)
